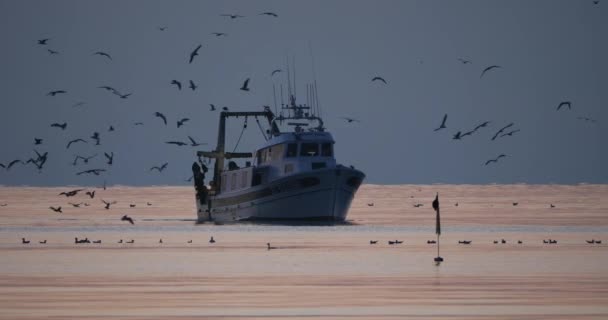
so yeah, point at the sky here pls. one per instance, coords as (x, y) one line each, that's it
(549, 51)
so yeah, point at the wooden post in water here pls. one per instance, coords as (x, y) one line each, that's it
(438, 259)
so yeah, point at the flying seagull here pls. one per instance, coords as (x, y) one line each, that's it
(70, 193)
(162, 28)
(74, 141)
(502, 130)
(192, 85)
(110, 157)
(95, 137)
(510, 133)
(43, 41)
(232, 16)
(12, 163)
(93, 171)
(194, 53)
(62, 126)
(161, 168)
(349, 120)
(483, 125)
(457, 136)
(56, 92)
(442, 126)
(91, 194)
(127, 218)
(162, 116)
(52, 52)
(379, 79)
(275, 72)
(245, 86)
(177, 83)
(272, 14)
(58, 209)
(488, 69)
(464, 61)
(566, 104)
(496, 159)
(37, 141)
(212, 107)
(103, 54)
(108, 204)
(177, 143)
(194, 143)
(219, 34)
(182, 121)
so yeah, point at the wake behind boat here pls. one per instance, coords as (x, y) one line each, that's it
(292, 176)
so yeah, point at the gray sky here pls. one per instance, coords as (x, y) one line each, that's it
(550, 51)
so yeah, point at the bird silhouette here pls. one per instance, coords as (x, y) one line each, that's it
(58, 209)
(371, 204)
(110, 157)
(457, 136)
(378, 79)
(138, 124)
(111, 128)
(61, 126)
(442, 126)
(74, 141)
(162, 28)
(12, 163)
(75, 205)
(194, 53)
(495, 159)
(91, 194)
(232, 16)
(56, 92)
(189, 241)
(275, 72)
(515, 204)
(596, 2)
(182, 121)
(488, 69)
(193, 143)
(565, 104)
(177, 143)
(225, 108)
(502, 130)
(70, 193)
(95, 137)
(108, 204)
(464, 242)
(91, 171)
(482, 125)
(272, 14)
(23, 241)
(103, 54)
(212, 107)
(84, 159)
(219, 34)
(162, 116)
(192, 85)
(37, 141)
(177, 83)
(108, 88)
(131, 241)
(373, 241)
(96, 241)
(418, 205)
(43, 41)
(124, 96)
(510, 133)
(464, 61)
(245, 86)
(42, 242)
(131, 205)
(161, 168)
(52, 52)
(127, 218)
(349, 120)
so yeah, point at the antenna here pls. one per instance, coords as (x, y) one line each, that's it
(282, 104)
(274, 97)
(294, 77)
(314, 76)
(288, 78)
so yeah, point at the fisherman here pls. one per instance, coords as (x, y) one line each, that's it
(199, 181)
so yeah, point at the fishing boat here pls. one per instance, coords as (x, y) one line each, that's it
(293, 175)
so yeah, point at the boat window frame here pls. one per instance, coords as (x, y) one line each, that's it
(303, 152)
(331, 149)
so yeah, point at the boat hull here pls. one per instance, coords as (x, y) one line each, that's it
(324, 194)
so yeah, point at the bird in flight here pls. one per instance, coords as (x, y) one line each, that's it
(127, 218)
(464, 61)
(275, 72)
(496, 159)
(75, 205)
(596, 1)
(91, 194)
(379, 79)
(52, 52)
(108, 204)
(245, 86)
(488, 69)
(43, 41)
(37, 141)
(212, 107)
(162, 28)
(74, 141)
(225, 108)
(62, 126)
(192, 85)
(110, 157)
(442, 126)
(162, 116)
(565, 104)
(194, 143)
(103, 54)
(161, 168)
(349, 120)
(501, 131)
(58, 209)
(56, 92)
(177, 143)
(182, 121)
(586, 119)
(95, 137)
(70, 193)
(219, 34)
(232, 16)
(138, 124)
(11, 164)
(510, 133)
(93, 171)
(177, 83)
(84, 159)
(271, 14)
(482, 125)
(194, 53)
(457, 136)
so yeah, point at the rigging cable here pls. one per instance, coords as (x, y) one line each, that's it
(261, 129)
(240, 136)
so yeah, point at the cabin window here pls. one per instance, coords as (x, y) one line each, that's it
(292, 150)
(277, 152)
(233, 181)
(309, 150)
(326, 150)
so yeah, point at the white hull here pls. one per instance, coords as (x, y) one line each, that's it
(324, 194)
